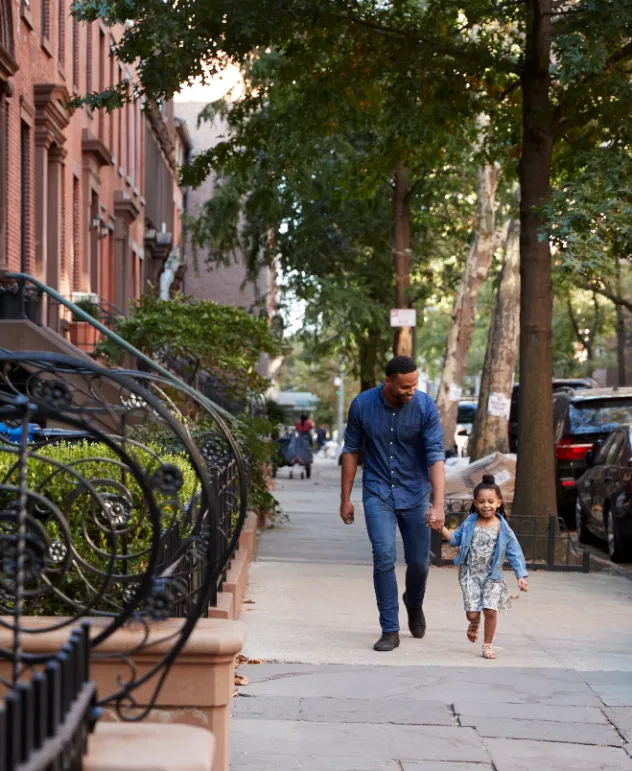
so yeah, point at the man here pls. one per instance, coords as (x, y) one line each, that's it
(404, 460)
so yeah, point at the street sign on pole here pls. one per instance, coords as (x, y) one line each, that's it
(403, 317)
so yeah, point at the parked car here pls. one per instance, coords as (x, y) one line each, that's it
(604, 494)
(464, 425)
(581, 418)
(577, 384)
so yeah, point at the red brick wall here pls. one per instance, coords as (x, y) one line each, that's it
(72, 52)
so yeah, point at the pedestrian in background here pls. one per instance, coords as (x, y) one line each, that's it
(403, 462)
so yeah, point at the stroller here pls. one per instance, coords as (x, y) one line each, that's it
(294, 450)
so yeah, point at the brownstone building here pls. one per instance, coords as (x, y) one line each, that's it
(89, 201)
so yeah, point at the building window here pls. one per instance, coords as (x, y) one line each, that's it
(89, 59)
(76, 224)
(61, 32)
(113, 82)
(101, 81)
(75, 53)
(25, 195)
(4, 137)
(134, 139)
(46, 19)
(120, 125)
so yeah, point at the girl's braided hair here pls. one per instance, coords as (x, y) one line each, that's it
(488, 482)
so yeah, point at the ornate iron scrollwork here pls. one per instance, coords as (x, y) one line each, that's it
(115, 509)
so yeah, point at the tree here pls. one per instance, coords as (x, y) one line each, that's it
(477, 265)
(490, 431)
(569, 85)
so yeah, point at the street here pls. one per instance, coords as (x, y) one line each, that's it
(559, 696)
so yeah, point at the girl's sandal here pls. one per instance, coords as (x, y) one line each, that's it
(472, 632)
(488, 651)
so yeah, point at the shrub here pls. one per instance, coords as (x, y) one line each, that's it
(122, 525)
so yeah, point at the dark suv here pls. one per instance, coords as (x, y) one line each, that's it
(558, 383)
(581, 418)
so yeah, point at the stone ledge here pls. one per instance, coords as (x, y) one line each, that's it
(149, 747)
(230, 599)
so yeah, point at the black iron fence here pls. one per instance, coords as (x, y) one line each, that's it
(220, 521)
(545, 541)
(45, 723)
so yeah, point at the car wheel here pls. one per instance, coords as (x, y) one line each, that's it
(616, 549)
(580, 522)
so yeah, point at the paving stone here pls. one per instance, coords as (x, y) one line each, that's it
(552, 687)
(546, 731)
(621, 717)
(308, 763)
(614, 695)
(468, 711)
(267, 707)
(446, 766)
(373, 743)
(516, 755)
(394, 711)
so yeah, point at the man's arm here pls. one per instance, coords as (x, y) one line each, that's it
(435, 457)
(436, 513)
(349, 470)
(350, 457)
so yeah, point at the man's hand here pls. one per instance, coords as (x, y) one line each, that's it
(436, 517)
(523, 584)
(347, 512)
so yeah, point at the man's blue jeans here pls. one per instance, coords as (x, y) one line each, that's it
(381, 520)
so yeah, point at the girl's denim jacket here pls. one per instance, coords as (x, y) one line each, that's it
(507, 547)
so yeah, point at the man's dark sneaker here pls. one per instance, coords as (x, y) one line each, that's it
(387, 642)
(416, 621)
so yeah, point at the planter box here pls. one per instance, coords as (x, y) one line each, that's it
(198, 690)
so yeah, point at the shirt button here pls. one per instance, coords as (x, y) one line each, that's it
(391, 430)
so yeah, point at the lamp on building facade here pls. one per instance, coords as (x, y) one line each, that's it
(102, 228)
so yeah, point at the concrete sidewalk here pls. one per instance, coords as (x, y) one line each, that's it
(559, 696)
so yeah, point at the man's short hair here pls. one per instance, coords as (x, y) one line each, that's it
(400, 365)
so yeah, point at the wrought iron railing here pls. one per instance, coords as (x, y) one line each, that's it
(134, 521)
(45, 721)
(544, 540)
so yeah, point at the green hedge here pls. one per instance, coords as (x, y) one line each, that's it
(87, 521)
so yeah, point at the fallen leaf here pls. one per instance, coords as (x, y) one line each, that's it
(241, 659)
(241, 680)
(249, 602)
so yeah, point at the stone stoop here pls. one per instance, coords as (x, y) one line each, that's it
(149, 747)
(230, 599)
(197, 691)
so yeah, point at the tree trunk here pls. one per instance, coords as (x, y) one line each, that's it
(479, 260)
(621, 363)
(368, 352)
(490, 431)
(535, 481)
(403, 341)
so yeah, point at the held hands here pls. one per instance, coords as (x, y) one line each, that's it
(523, 584)
(347, 512)
(435, 518)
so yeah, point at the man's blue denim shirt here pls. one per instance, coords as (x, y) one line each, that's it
(401, 444)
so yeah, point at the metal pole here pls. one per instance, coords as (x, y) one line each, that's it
(341, 400)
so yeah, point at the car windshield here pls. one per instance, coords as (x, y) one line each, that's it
(590, 417)
(467, 413)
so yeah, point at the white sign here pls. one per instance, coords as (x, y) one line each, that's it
(455, 392)
(403, 317)
(499, 405)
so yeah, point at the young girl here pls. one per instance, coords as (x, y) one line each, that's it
(486, 540)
